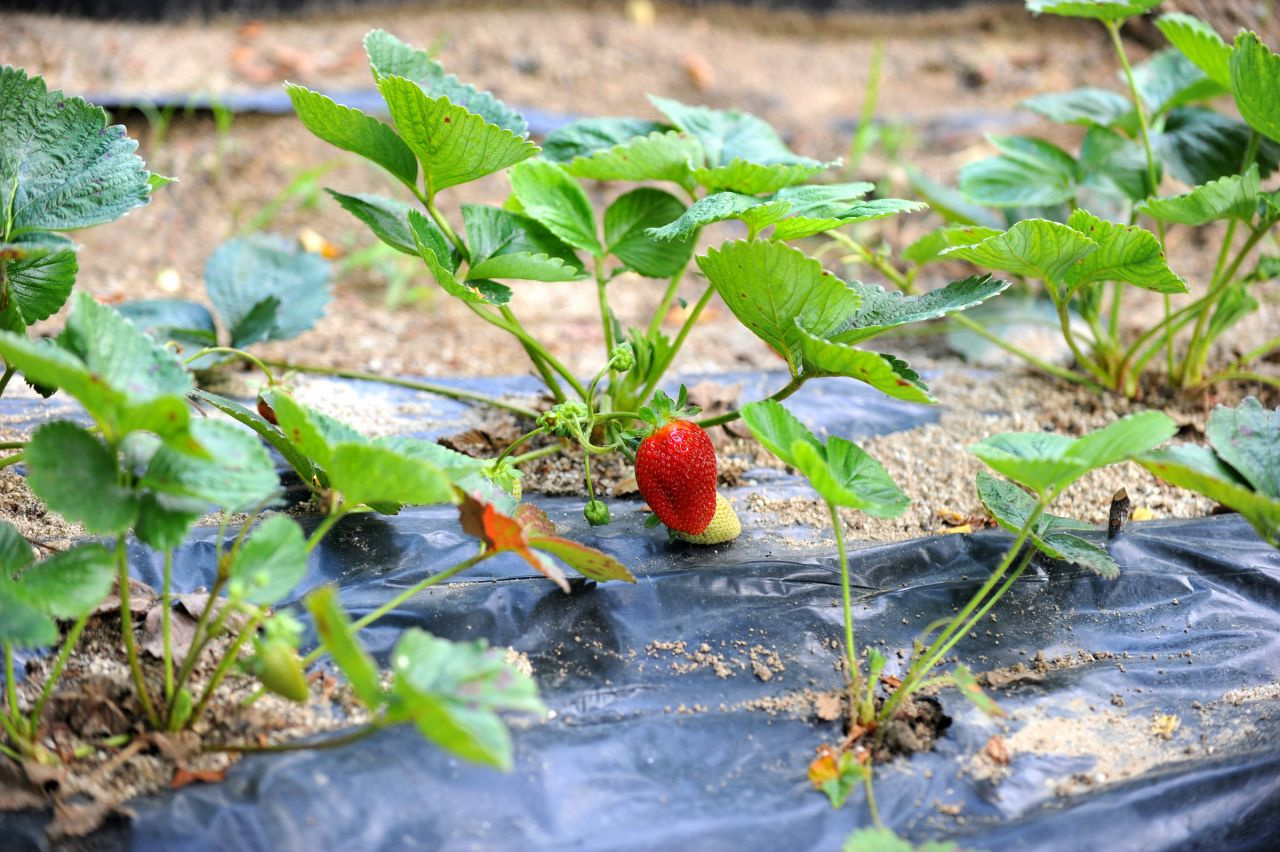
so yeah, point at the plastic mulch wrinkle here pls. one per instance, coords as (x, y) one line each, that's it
(1142, 713)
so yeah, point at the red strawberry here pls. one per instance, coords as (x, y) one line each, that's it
(676, 473)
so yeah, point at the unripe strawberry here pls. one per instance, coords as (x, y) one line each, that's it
(676, 474)
(724, 526)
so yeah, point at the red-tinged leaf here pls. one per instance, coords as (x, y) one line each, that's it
(534, 520)
(587, 561)
(500, 533)
(183, 776)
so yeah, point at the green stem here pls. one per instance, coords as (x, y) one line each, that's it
(165, 625)
(1197, 349)
(126, 629)
(871, 801)
(918, 668)
(325, 525)
(11, 683)
(873, 260)
(10, 753)
(1259, 351)
(450, 234)
(977, 617)
(11, 460)
(200, 636)
(1243, 376)
(224, 665)
(506, 451)
(729, 416)
(303, 745)
(689, 322)
(668, 296)
(13, 445)
(1039, 363)
(541, 452)
(64, 654)
(851, 650)
(239, 353)
(9, 370)
(412, 384)
(542, 360)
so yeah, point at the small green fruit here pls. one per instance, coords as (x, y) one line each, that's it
(597, 513)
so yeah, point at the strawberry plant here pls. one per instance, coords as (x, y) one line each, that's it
(145, 466)
(1038, 467)
(1092, 226)
(1239, 469)
(62, 168)
(714, 165)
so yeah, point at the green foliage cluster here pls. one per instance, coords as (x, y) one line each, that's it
(693, 167)
(1090, 225)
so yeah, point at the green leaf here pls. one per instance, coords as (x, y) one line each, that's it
(777, 429)
(506, 245)
(1026, 173)
(1088, 107)
(1101, 10)
(548, 194)
(40, 285)
(433, 250)
(1034, 459)
(1233, 197)
(21, 624)
(1125, 253)
(271, 561)
(70, 583)
(968, 687)
(950, 203)
(339, 640)
(716, 207)
(1113, 165)
(312, 432)
(845, 475)
(882, 310)
(588, 136)
(1033, 248)
(627, 224)
(245, 272)
(1198, 469)
(452, 692)
(840, 472)
(236, 475)
(271, 434)
(453, 145)
(770, 286)
(1234, 304)
(1199, 145)
(669, 156)
(1169, 80)
(798, 226)
(163, 521)
(386, 217)
(587, 561)
(15, 552)
(87, 490)
(1200, 43)
(390, 57)
(189, 323)
(61, 166)
(1048, 463)
(841, 779)
(883, 372)
(1012, 508)
(728, 135)
(1255, 84)
(1248, 438)
(369, 473)
(931, 246)
(744, 176)
(351, 130)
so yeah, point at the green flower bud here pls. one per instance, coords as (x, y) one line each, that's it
(597, 513)
(622, 358)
